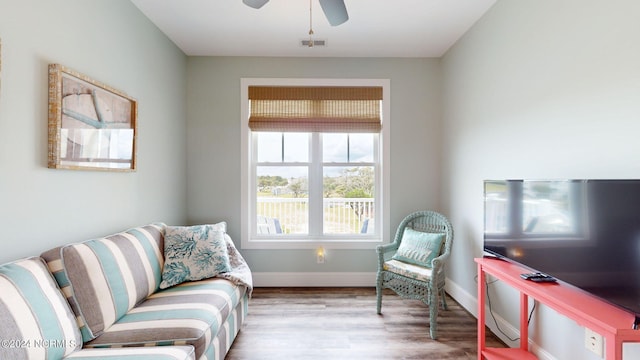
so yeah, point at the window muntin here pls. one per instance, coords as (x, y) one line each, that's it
(283, 147)
(337, 147)
(344, 191)
(279, 204)
(349, 200)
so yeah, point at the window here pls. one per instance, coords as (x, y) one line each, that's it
(319, 180)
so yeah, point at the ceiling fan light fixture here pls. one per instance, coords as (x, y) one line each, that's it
(313, 43)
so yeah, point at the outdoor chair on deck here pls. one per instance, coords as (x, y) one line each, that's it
(413, 264)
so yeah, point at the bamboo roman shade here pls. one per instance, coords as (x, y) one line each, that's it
(315, 109)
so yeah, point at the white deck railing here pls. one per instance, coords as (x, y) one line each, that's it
(341, 215)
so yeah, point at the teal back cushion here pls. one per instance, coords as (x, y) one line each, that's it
(419, 248)
(106, 277)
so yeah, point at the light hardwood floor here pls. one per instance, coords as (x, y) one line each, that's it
(341, 323)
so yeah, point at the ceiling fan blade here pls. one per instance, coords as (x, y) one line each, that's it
(335, 11)
(256, 4)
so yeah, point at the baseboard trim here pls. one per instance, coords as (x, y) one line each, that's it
(470, 303)
(314, 279)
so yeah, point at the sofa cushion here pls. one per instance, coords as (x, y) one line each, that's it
(104, 278)
(147, 353)
(194, 253)
(190, 313)
(36, 321)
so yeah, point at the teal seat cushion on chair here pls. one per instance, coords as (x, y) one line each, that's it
(419, 248)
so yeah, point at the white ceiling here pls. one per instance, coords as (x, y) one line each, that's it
(376, 28)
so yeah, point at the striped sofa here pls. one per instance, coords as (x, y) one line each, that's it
(100, 299)
(37, 322)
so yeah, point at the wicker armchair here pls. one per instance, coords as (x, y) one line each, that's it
(410, 280)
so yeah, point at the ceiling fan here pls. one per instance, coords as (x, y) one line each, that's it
(334, 10)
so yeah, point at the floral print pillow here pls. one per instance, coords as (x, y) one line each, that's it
(193, 253)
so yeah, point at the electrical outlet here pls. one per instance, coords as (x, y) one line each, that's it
(593, 341)
(320, 255)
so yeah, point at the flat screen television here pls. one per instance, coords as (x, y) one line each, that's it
(582, 232)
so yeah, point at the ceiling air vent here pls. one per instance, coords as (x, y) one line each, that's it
(307, 43)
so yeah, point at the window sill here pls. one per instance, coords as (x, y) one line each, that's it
(295, 244)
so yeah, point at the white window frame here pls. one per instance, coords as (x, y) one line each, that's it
(306, 242)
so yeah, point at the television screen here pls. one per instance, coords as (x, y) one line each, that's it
(583, 232)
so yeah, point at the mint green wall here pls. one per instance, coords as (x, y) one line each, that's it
(214, 143)
(538, 89)
(112, 42)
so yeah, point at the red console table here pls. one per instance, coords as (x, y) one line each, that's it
(613, 323)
